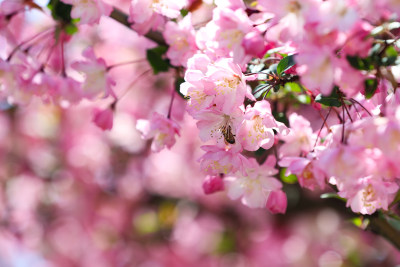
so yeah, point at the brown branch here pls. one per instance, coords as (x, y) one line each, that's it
(122, 18)
(381, 227)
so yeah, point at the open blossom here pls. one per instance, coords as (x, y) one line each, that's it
(228, 84)
(255, 187)
(198, 100)
(343, 164)
(223, 80)
(159, 128)
(215, 124)
(338, 15)
(258, 127)
(142, 10)
(223, 160)
(181, 40)
(194, 87)
(369, 194)
(290, 18)
(97, 82)
(88, 11)
(223, 36)
(307, 171)
(317, 67)
(300, 138)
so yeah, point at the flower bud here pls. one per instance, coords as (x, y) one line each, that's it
(212, 184)
(104, 118)
(277, 202)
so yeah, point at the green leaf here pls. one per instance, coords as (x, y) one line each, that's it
(184, 12)
(272, 69)
(360, 63)
(331, 100)
(71, 29)
(357, 221)
(370, 86)
(304, 99)
(277, 87)
(260, 89)
(60, 11)
(156, 60)
(289, 179)
(285, 64)
(293, 87)
(390, 56)
(395, 222)
(396, 198)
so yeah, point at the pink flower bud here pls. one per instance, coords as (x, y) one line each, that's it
(104, 118)
(212, 184)
(277, 202)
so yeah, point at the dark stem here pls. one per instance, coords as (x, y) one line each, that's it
(347, 111)
(343, 127)
(170, 104)
(131, 84)
(355, 101)
(63, 72)
(381, 227)
(322, 126)
(125, 63)
(25, 42)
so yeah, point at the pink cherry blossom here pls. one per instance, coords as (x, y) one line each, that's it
(258, 127)
(104, 118)
(340, 16)
(316, 65)
(369, 194)
(228, 84)
(97, 82)
(223, 160)
(142, 10)
(290, 19)
(217, 125)
(212, 184)
(300, 138)
(181, 39)
(89, 11)
(255, 187)
(159, 128)
(307, 171)
(277, 202)
(223, 36)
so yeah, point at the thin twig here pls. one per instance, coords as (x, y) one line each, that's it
(322, 126)
(355, 101)
(170, 104)
(125, 63)
(131, 84)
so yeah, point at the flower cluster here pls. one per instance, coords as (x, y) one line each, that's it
(246, 72)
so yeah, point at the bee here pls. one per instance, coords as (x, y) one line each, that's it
(227, 133)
